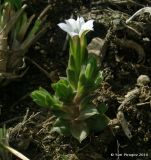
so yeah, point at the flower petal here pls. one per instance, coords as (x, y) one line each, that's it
(76, 27)
(88, 26)
(72, 34)
(72, 23)
(79, 22)
(65, 27)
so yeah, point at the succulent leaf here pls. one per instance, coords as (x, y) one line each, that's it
(91, 70)
(44, 99)
(73, 79)
(98, 122)
(63, 90)
(87, 112)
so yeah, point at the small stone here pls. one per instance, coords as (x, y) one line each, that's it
(42, 51)
(117, 127)
(143, 80)
(95, 46)
(139, 129)
(37, 47)
(146, 39)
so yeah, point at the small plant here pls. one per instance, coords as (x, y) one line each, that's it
(16, 35)
(72, 100)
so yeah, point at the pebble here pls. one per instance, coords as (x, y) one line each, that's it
(143, 80)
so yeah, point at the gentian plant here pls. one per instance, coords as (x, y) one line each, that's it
(17, 34)
(72, 100)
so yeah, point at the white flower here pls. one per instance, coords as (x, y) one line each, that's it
(76, 27)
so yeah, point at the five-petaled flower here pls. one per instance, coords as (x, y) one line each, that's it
(76, 27)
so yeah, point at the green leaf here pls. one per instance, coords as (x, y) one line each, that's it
(33, 31)
(36, 27)
(91, 69)
(79, 130)
(82, 84)
(99, 79)
(15, 3)
(73, 79)
(63, 90)
(102, 108)
(39, 98)
(71, 63)
(87, 112)
(22, 27)
(85, 101)
(61, 126)
(62, 114)
(44, 99)
(56, 104)
(98, 122)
